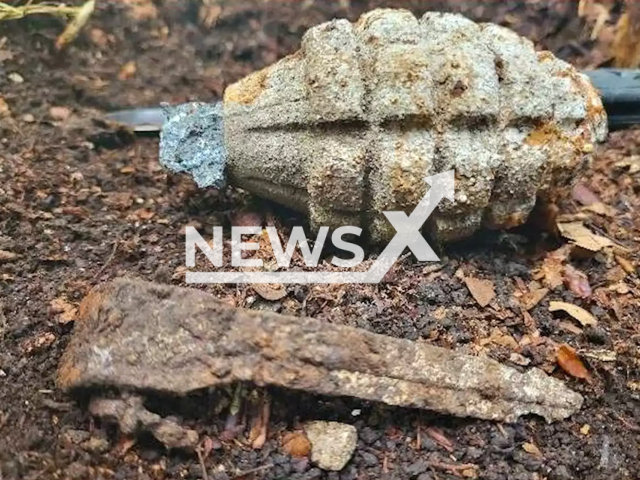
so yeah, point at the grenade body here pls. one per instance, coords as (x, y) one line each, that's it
(349, 126)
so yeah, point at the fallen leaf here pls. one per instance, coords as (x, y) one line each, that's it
(582, 237)
(600, 208)
(533, 297)
(4, 108)
(577, 282)
(296, 444)
(270, 291)
(569, 361)
(481, 290)
(579, 313)
(6, 256)
(532, 448)
(585, 429)
(626, 265)
(65, 311)
(552, 267)
(128, 70)
(141, 10)
(570, 327)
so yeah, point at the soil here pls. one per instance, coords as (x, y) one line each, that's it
(82, 203)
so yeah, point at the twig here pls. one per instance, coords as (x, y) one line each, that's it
(253, 470)
(205, 475)
(106, 264)
(451, 467)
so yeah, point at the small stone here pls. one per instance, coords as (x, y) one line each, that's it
(369, 459)
(76, 437)
(560, 473)
(28, 118)
(332, 443)
(15, 77)
(96, 445)
(416, 468)
(59, 113)
(76, 471)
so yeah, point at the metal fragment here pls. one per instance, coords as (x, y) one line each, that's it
(139, 336)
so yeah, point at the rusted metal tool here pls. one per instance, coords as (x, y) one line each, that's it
(348, 126)
(139, 338)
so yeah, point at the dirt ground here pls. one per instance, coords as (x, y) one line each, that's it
(81, 204)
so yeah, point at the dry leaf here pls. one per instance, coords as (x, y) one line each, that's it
(533, 297)
(580, 314)
(482, 290)
(6, 256)
(128, 70)
(570, 327)
(532, 448)
(75, 25)
(65, 311)
(571, 363)
(600, 208)
(270, 291)
(5, 111)
(141, 9)
(582, 237)
(626, 265)
(296, 444)
(552, 267)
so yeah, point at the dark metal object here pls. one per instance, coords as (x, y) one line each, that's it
(620, 92)
(137, 336)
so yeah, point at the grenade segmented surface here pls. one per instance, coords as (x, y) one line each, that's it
(349, 126)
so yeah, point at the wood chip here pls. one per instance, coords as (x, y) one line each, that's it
(65, 311)
(582, 237)
(534, 297)
(532, 449)
(626, 265)
(6, 256)
(270, 291)
(570, 362)
(127, 71)
(482, 291)
(579, 313)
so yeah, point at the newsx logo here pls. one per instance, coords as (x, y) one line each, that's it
(407, 235)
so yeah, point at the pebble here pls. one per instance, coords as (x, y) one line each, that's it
(75, 437)
(16, 77)
(332, 443)
(96, 445)
(369, 459)
(560, 473)
(416, 468)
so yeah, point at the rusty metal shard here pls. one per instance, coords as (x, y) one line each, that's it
(135, 335)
